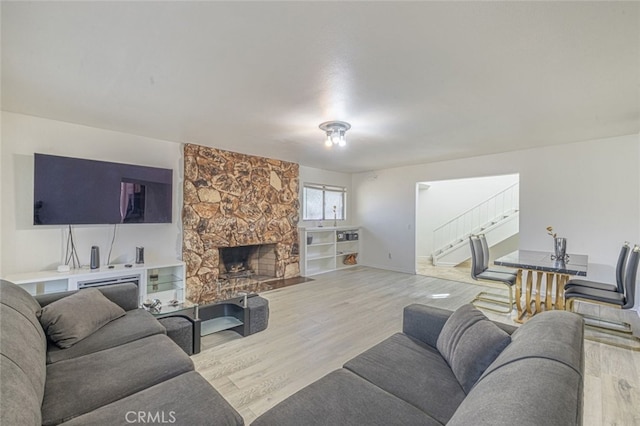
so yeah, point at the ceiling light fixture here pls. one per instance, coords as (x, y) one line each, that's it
(336, 132)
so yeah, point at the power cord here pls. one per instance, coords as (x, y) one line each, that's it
(71, 252)
(115, 228)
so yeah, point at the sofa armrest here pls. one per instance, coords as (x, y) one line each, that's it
(424, 322)
(124, 295)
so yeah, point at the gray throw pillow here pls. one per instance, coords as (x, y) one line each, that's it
(70, 319)
(469, 342)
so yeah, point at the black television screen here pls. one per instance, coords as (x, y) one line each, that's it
(75, 191)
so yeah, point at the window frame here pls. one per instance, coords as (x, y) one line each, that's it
(324, 188)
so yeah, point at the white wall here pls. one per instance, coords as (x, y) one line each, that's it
(25, 247)
(326, 177)
(588, 191)
(446, 199)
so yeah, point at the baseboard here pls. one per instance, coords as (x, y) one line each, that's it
(446, 265)
(388, 268)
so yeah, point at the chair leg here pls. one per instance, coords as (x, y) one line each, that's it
(617, 326)
(624, 336)
(620, 329)
(487, 297)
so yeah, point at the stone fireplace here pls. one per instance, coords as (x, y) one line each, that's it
(240, 218)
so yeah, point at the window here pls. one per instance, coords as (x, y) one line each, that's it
(320, 201)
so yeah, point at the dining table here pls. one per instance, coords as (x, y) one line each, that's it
(538, 267)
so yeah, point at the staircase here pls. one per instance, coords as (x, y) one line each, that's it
(497, 217)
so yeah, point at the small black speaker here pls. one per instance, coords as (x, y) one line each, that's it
(139, 255)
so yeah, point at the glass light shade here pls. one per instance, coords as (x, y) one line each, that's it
(336, 132)
(335, 137)
(343, 139)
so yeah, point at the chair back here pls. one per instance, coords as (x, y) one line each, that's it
(477, 261)
(630, 278)
(485, 251)
(621, 266)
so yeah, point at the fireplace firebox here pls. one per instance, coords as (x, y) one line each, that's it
(255, 261)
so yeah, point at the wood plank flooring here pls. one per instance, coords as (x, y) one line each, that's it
(315, 327)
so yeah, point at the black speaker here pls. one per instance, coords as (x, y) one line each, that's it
(95, 257)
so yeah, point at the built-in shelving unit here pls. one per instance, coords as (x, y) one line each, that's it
(325, 249)
(162, 280)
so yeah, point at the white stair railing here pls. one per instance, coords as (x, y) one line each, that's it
(475, 220)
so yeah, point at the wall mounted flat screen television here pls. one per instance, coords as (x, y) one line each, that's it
(75, 191)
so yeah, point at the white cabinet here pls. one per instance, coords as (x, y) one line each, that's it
(325, 249)
(156, 280)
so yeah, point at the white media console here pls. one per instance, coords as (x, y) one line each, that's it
(163, 280)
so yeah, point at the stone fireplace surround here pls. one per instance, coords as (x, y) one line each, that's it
(236, 200)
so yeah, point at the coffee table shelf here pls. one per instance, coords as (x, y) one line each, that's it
(218, 324)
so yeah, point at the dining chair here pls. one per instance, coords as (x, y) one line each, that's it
(620, 270)
(486, 256)
(616, 299)
(480, 272)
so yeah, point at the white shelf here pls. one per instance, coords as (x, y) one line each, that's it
(311, 258)
(325, 253)
(343, 266)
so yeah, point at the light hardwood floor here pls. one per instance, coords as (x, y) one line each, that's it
(315, 327)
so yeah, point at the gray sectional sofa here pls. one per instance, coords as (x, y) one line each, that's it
(434, 374)
(128, 371)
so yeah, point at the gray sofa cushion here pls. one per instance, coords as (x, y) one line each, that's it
(22, 355)
(82, 384)
(527, 392)
(71, 319)
(470, 343)
(187, 399)
(343, 398)
(134, 325)
(412, 371)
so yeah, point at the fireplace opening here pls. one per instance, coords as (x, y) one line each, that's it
(257, 262)
(235, 259)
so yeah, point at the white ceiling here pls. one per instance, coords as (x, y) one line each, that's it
(418, 81)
